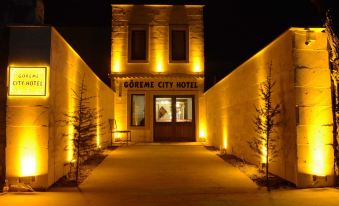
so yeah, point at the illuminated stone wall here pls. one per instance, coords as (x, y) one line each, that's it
(38, 144)
(27, 116)
(313, 108)
(303, 90)
(67, 71)
(157, 19)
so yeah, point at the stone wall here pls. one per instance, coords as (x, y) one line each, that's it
(39, 144)
(314, 121)
(157, 19)
(27, 120)
(67, 72)
(302, 88)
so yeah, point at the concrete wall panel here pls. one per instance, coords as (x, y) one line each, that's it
(302, 88)
(38, 145)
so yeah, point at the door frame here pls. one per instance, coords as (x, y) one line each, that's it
(174, 122)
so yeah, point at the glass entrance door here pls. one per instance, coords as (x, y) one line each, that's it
(174, 118)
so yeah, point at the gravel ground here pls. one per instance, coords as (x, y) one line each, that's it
(86, 169)
(256, 174)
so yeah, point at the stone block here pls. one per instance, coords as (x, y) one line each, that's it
(315, 115)
(26, 161)
(310, 40)
(27, 116)
(313, 59)
(313, 78)
(313, 96)
(314, 134)
(315, 162)
(24, 135)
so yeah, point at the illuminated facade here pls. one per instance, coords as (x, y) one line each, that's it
(157, 75)
(300, 68)
(43, 72)
(157, 71)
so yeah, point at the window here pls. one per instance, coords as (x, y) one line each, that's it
(179, 43)
(183, 109)
(174, 109)
(138, 43)
(163, 109)
(138, 110)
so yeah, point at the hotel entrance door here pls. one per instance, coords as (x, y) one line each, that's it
(174, 118)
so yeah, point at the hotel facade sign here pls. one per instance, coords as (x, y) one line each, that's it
(27, 81)
(161, 84)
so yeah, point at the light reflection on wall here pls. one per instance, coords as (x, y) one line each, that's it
(71, 104)
(318, 154)
(224, 133)
(28, 163)
(28, 153)
(117, 53)
(264, 153)
(158, 44)
(116, 64)
(197, 65)
(315, 137)
(159, 67)
(28, 157)
(98, 140)
(202, 133)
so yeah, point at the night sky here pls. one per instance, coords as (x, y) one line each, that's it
(234, 31)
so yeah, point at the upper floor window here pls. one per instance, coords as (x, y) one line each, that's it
(178, 43)
(138, 43)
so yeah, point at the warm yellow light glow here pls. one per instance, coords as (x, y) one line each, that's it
(202, 133)
(69, 157)
(158, 48)
(28, 164)
(70, 132)
(30, 157)
(27, 81)
(197, 65)
(318, 157)
(159, 67)
(197, 68)
(70, 108)
(318, 153)
(225, 137)
(225, 142)
(116, 136)
(262, 75)
(98, 118)
(117, 53)
(264, 153)
(116, 66)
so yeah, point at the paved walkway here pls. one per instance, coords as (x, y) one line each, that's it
(169, 174)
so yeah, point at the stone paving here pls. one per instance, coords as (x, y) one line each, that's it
(169, 174)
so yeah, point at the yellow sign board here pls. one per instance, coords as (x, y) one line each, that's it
(27, 81)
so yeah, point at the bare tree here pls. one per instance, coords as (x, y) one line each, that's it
(265, 144)
(83, 119)
(333, 42)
